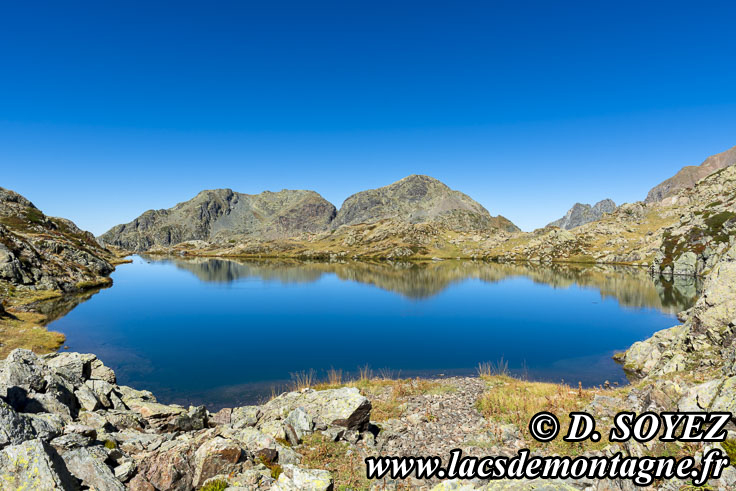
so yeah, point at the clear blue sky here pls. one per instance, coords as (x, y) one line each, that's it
(108, 109)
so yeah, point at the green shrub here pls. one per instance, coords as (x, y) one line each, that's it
(216, 485)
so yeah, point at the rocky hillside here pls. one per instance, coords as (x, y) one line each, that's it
(580, 214)
(682, 234)
(688, 176)
(419, 199)
(224, 214)
(44, 253)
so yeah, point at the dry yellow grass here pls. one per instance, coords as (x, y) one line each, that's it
(387, 395)
(347, 468)
(20, 329)
(510, 400)
(25, 330)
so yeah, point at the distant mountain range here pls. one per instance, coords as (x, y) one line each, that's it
(223, 213)
(581, 214)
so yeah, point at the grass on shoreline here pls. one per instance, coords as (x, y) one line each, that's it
(22, 327)
(388, 393)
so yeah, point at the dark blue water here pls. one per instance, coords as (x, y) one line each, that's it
(224, 333)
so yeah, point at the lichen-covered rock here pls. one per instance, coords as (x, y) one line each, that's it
(339, 407)
(726, 398)
(170, 467)
(33, 464)
(686, 264)
(295, 478)
(699, 397)
(245, 416)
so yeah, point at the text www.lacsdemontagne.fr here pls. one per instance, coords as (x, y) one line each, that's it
(641, 470)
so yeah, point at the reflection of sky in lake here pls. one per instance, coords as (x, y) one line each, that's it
(228, 333)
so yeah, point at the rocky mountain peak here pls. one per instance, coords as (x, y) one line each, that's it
(224, 213)
(416, 199)
(582, 213)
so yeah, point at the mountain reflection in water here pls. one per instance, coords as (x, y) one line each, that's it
(630, 286)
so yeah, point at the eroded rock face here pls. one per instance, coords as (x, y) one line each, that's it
(33, 464)
(419, 199)
(223, 213)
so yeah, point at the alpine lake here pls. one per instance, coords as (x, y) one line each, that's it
(232, 332)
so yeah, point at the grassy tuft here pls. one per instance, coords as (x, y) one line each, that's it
(515, 401)
(730, 447)
(346, 465)
(217, 485)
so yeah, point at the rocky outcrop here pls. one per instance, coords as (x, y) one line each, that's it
(662, 235)
(41, 252)
(688, 176)
(705, 229)
(66, 424)
(705, 342)
(581, 214)
(419, 199)
(223, 214)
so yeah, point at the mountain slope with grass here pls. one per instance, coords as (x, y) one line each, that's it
(45, 253)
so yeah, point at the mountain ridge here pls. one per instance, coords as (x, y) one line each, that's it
(687, 176)
(226, 215)
(582, 213)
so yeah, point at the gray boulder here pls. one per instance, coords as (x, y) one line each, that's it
(344, 407)
(14, 428)
(87, 465)
(295, 478)
(34, 464)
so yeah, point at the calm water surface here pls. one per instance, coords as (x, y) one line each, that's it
(224, 332)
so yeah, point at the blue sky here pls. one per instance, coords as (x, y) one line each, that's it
(107, 110)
